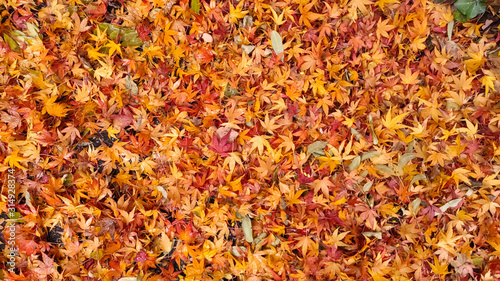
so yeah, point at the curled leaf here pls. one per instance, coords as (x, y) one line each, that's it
(246, 224)
(277, 43)
(355, 163)
(316, 148)
(404, 159)
(369, 154)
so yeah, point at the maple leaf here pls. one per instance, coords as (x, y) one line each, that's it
(259, 142)
(383, 27)
(336, 239)
(383, 3)
(394, 123)
(270, 124)
(235, 13)
(105, 71)
(438, 268)
(141, 256)
(487, 82)
(46, 267)
(221, 146)
(29, 246)
(293, 197)
(278, 20)
(367, 215)
(304, 175)
(55, 109)
(306, 15)
(93, 52)
(13, 159)
(409, 78)
(113, 47)
(96, 10)
(304, 243)
(355, 5)
(323, 185)
(80, 25)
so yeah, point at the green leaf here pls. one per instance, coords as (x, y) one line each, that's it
(67, 179)
(478, 261)
(459, 16)
(369, 154)
(260, 239)
(246, 224)
(195, 6)
(128, 36)
(367, 186)
(375, 138)
(417, 178)
(355, 133)
(415, 204)
(235, 252)
(317, 148)
(277, 43)
(470, 8)
(13, 45)
(229, 92)
(385, 169)
(355, 164)
(410, 147)
(110, 29)
(404, 159)
(97, 255)
(449, 29)
(14, 215)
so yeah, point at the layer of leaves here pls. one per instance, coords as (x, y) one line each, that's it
(220, 140)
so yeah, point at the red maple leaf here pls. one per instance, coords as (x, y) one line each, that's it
(430, 210)
(97, 10)
(221, 146)
(144, 30)
(472, 148)
(28, 246)
(305, 177)
(141, 256)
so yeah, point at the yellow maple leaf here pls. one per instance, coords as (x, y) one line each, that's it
(103, 72)
(293, 197)
(93, 52)
(382, 26)
(394, 123)
(152, 52)
(13, 160)
(441, 269)
(470, 131)
(304, 243)
(409, 78)
(475, 62)
(360, 5)
(55, 109)
(235, 13)
(490, 180)
(383, 3)
(278, 20)
(487, 82)
(258, 142)
(147, 166)
(113, 47)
